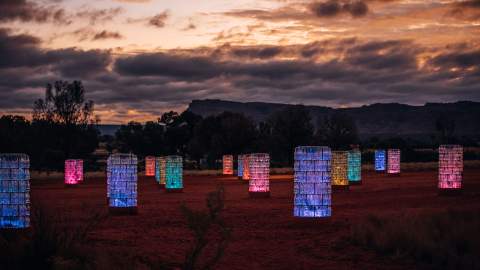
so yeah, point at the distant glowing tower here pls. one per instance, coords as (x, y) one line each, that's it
(240, 166)
(227, 164)
(149, 166)
(122, 183)
(380, 160)
(73, 172)
(174, 174)
(246, 167)
(450, 167)
(14, 191)
(312, 182)
(160, 171)
(354, 167)
(339, 170)
(393, 163)
(259, 185)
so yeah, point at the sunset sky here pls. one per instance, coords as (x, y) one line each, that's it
(139, 58)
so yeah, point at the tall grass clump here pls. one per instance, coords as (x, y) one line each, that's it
(444, 240)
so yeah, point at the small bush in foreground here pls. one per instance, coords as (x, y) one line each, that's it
(48, 244)
(211, 234)
(445, 240)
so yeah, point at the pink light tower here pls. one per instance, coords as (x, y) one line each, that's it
(73, 172)
(450, 167)
(259, 185)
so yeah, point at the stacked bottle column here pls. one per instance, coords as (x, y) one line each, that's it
(393, 161)
(354, 166)
(160, 170)
(380, 160)
(227, 162)
(240, 166)
(246, 169)
(122, 180)
(73, 171)
(312, 182)
(450, 167)
(174, 173)
(339, 169)
(149, 166)
(259, 173)
(14, 191)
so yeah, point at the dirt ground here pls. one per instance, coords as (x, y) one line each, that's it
(265, 233)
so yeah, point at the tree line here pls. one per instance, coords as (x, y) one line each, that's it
(64, 126)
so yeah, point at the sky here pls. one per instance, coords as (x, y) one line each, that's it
(140, 58)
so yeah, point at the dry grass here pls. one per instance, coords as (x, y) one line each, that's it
(445, 240)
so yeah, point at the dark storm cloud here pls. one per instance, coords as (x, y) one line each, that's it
(24, 51)
(384, 55)
(457, 59)
(159, 19)
(330, 72)
(160, 64)
(107, 35)
(333, 8)
(95, 16)
(262, 53)
(28, 11)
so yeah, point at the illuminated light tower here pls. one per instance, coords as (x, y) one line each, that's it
(312, 182)
(450, 169)
(339, 170)
(240, 166)
(149, 166)
(160, 171)
(174, 174)
(122, 183)
(393, 161)
(73, 172)
(246, 168)
(259, 184)
(14, 191)
(380, 161)
(227, 164)
(354, 172)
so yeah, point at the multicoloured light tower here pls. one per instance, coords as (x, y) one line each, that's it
(73, 172)
(259, 184)
(227, 164)
(393, 164)
(122, 183)
(174, 174)
(380, 161)
(246, 168)
(160, 172)
(312, 182)
(339, 170)
(240, 166)
(450, 168)
(354, 173)
(14, 191)
(149, 166)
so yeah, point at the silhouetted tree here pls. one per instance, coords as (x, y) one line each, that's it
(226, 133)
(289, 128)
(64, 103)
(63, 125)
(337, 130)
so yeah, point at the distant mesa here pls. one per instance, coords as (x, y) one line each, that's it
(380, 120)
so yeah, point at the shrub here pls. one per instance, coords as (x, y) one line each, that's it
(207, 227)
(49, 243)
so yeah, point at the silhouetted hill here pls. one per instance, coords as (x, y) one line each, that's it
(381, 120)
